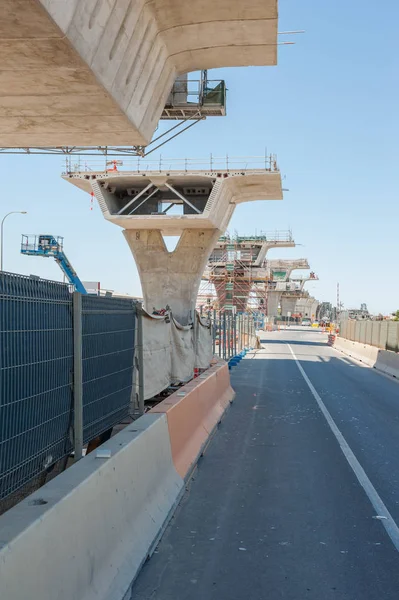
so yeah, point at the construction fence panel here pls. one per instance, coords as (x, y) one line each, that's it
(392, 336)
(383, 335)
(36, 370)
(368, 332)
(37, 373)
(375, 333)
(356, 332)
(361, 325)
(108, 348)
(232, 333)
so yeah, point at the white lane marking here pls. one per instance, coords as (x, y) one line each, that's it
(381, 510)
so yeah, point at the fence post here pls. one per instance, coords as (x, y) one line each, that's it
(214, 333)
(235, 334)
(77, 376)
(224, 336)
(140, 357)
(230, 336)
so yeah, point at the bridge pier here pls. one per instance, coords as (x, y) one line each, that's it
(171, 278)
(288, 304)
(273, 301)
(194, 204)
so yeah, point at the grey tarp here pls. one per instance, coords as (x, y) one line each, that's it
(172, 351)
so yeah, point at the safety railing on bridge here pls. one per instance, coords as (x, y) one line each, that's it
(59, 358)
(262, 236)
(211, 163)
(382, 334)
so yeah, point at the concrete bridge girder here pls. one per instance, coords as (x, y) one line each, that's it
(91, 72)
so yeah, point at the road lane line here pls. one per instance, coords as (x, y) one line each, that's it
(381, 510)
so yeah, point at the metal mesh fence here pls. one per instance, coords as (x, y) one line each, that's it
(108, 335)
(232, 333)
(382, 334)
(37, 372)
(36, 360)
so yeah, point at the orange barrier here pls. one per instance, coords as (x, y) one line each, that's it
(193, 413)
(331, 339)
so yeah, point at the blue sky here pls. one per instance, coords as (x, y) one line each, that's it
(329, 110)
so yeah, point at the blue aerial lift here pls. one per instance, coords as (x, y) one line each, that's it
(51, 246)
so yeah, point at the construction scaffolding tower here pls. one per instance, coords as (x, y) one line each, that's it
(236, 279)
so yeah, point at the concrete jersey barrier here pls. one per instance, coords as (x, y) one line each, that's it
(86, 534)
(362, 352)
(382, 360)
(192, 417)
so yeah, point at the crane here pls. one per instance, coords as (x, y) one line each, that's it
(50, 246)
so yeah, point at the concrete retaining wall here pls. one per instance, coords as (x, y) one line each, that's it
(382, 360)
(85, 535)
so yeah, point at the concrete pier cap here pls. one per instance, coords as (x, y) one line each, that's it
(280, 272)
(96, 72)
(196, 205)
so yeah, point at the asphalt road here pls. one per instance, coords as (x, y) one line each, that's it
(275, 511)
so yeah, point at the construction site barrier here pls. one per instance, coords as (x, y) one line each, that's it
(388, 362)
(382, 360)
(193, 413)
(86, 534)
(366, 354)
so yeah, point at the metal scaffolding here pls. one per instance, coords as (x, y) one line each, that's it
(234, 280)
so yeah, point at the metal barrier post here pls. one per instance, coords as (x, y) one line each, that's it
(220, 334)
(224, 336)
(235, 335)
(77, 375)
(230, 335)
(214, 333)
(140, 358)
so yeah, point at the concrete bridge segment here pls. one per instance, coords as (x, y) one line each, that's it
(99, 72)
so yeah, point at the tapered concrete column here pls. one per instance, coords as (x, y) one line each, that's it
(288, 305)
(171, 278)
(273, 300)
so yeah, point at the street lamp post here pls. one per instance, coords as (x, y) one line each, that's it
(13, 212)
